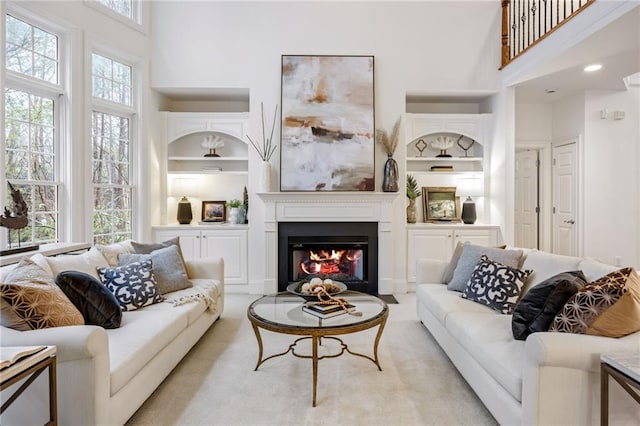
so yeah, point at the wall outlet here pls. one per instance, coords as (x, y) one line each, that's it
(618, 260)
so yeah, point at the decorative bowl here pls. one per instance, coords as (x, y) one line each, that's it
(291, 288)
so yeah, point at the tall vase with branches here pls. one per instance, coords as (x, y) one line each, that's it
(265, 150)
(389, 144)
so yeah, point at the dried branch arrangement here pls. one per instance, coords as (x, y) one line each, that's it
(389, 143)
(266, 149)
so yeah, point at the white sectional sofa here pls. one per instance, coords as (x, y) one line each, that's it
(551, 378)
(104, 376)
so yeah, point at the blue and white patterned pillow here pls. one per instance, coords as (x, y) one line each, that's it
(133, 285)
(496, 285)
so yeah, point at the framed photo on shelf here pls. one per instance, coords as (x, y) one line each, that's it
(328, 126)
(440, 204)
(214, 211)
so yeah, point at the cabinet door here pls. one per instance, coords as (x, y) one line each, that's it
(427, 243)
(189, 241)
(231, 245)
(479, 237)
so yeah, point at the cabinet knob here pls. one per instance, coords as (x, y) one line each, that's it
(449, 236)
(204, 236)
(198, 236)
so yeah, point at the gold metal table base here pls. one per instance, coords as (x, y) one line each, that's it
(316, 336)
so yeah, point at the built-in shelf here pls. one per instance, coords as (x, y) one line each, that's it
(208, 158)
(208, 172)
(446, 159)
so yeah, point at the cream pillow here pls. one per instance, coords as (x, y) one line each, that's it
(112, 251)
(85, 262)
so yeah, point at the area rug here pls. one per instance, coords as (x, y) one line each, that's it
(215, 384)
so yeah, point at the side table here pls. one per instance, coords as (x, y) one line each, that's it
(625, 369)
(31, 366)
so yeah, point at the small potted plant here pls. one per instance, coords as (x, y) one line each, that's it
(413, 192)
(235, 211)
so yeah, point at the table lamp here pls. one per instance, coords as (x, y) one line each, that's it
(469, 187)
(181, 187)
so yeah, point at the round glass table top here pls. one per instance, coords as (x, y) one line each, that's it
(285, 310)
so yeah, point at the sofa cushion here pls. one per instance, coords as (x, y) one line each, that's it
(592, 269)
(85, 262)
(489, 339)
(609, 306)
(147, 248)
(168, 268)
(495, 285)
(470, 257)
(30, 300)
(112, 251)
(537, 309)
(545, 265)
(96, 302)
(133, 285)
(442, 302)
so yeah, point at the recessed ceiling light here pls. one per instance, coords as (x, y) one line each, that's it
(592, 67)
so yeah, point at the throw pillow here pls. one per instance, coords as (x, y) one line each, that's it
(133, 285)
(95, 302)
(447, 275)
(609, 306)
(168, 268)
(85, 262)
(539, 306)
(30, 300)
(470, 257)
(111, 251)
(148, 248)
(496, 285)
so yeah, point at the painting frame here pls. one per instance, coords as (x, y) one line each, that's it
(214, 211)
(440, 204)
(327, 120)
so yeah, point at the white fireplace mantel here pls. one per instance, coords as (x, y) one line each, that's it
(329, 207)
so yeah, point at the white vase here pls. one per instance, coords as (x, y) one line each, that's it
(233, 215)
(264, 184)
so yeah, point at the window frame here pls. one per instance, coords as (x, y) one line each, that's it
(138, 12)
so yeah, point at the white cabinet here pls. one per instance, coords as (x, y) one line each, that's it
(226, 241)
(439, 241)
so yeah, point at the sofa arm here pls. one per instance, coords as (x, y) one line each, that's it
(208, 268)
(430, 271)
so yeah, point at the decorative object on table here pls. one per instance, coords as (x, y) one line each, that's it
(469, 187)
(212, 142)
(214, 211)
(245, 204)
(236, 211)
(184, 187)
(265, 150)
(389, 143)
(442, 143)
(309, 289)
(439, 168)
(465, 147)
(413, 192)
(327, 124)
(440, 204)
(16, 218)
(421, 145)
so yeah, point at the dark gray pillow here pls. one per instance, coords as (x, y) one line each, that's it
(471, 255)
(147, 248)
(537, 309)
(96, 303)
(168, 268)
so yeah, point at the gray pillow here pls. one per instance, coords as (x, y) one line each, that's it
(147, 248)
(471, 255)
(168, 268)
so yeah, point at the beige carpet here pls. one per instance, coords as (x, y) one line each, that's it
(215, 383)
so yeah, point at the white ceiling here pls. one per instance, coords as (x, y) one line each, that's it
(616, 47)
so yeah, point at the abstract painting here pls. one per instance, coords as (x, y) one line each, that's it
(327, 137)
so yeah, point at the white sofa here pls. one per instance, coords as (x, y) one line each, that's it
(551, 378)
(104, 376)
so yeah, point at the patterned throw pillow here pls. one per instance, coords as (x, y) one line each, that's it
(133, 285)
(30, 300)
(471, 255)
(609, 306)
(496, 285)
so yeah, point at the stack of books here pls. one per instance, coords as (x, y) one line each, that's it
(326, 311)
(441, 168)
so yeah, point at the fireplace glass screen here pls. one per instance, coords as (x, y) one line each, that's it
(339, 261)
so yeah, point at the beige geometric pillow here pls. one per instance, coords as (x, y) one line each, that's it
(30, 300)
(609, 306)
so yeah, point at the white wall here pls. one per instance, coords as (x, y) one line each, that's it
(533, 123)
(419, 47)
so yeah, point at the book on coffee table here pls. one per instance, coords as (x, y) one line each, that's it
(326, 311)
(9, 355)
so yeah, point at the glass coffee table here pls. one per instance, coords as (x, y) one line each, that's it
(282, 313)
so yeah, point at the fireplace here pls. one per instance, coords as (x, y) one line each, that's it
(346, 252)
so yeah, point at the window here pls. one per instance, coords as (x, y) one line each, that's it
(32, 127)
(123, 7)
(111, 123)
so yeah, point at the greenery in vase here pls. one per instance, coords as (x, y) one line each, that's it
(413, 191)
(234, 203)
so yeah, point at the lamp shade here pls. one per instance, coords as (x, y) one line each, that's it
(470, 187)
(183, 186)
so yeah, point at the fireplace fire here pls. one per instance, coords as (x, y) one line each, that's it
(345, 252)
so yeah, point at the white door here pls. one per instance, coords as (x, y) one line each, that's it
(526, 199)
(231, 245)
(189, 242)
(565, 199)
(427, 243)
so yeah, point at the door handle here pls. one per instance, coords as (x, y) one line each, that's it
(570, 221)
